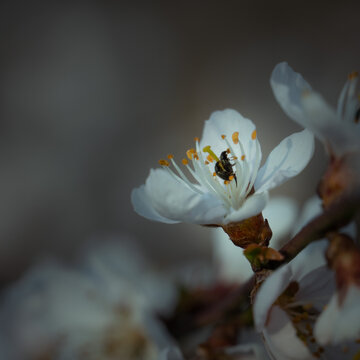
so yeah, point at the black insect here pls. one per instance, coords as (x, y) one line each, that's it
(224, 168)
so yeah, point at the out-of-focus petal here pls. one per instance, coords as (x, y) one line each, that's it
(269, 291)
(171, 353)
(288, 159)
(288, 88)
(231, 262)
(340, 323)
(281, 339)
(281, 214)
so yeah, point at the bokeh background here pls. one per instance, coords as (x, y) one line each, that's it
(93, 93)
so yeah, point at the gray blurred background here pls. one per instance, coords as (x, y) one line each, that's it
(93, 93)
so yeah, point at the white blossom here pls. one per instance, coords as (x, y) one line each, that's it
(286, 316)
(169, 196)
(338, 128)
(95, 311)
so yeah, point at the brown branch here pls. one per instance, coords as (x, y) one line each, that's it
(337, 216)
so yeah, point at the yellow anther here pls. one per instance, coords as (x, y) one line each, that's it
(214, 173)
(190, 153)
(234, 158)
(235, 137)
(206, 162)
(196, 139)
(353, 75)
(209, 158)
(226, 182)
(228, 151)
(253, 135)
(170, 156)
(185, 161)
(196, 157)
(242, 157)
(163, 162)
(223, 136)
(211, 153)
(231, 177)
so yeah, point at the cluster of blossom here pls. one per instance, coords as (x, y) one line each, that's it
(305, 294)
(285, 285)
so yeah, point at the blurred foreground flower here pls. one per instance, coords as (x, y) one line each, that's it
(297, 305)
(102, 310)
(230, 186)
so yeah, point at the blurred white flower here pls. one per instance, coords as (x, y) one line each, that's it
(225, 164)
(289, 300)
(94, 312)
(339, 128)
(288, 308)
(232, 264)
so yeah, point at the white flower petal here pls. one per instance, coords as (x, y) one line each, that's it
(299, 101)
(227, 122)
(171, 353)
(311, 208)
(301, 267)
(288, 88)
(341, 136)
(269, 291)
(288, 159)
(232, 263)
(281, 213)
(337, 324)
(252, 206)
(172, 199)
(142, 205)
(281, 340)
(309, 259)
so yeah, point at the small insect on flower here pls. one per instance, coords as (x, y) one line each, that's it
(224, 168)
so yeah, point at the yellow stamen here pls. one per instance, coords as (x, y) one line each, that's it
(234, 158)
(170, 156)
(212, 154)
(235, 137)
(206, 162)
(196, 139)
(209, 158)
(231, 177)
(185, 161)
(353, 75)
(196, 157)
(253, 135)
(243, 157)
(163, 162)
(214, 173)
(226, 182)
(228, 151)
(190, 153)
(223, 136)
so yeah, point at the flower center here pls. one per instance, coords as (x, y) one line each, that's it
(302, 316)
(236, 169)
